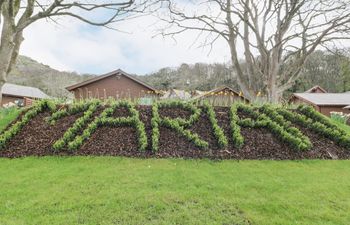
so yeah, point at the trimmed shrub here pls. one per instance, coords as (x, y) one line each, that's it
(271, 112)
(77, 107)
(38, 107)
(333, 133)
(177, 124)
(218, 132)
(237, 138)
(78, 125)
(105, 119)
(282, 133)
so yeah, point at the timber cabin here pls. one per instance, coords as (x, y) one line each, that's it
(13, 94)
(221, 96)
(116, 84)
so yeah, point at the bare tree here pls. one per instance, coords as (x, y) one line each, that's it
(276, 36)
(16, 15)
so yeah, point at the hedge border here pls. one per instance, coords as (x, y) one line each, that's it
(104, 119)
(38, 107)
(77, 126)
(262, 120)
(334, 134)
(237, 138)
(178, 124)
(218, 131)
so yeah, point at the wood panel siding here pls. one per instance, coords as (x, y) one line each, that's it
(116, 84)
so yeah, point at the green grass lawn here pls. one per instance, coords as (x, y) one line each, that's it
(107, 190)
(7, 116)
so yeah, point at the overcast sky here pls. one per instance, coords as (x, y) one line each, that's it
(75, 46)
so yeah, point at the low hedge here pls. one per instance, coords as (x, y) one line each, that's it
(105, 119)
(310, 112)
(218, 131)
(264, 121)
(72, 109)
(177, 124)
(237, 137)
(270, 111)
(78, 125)
(38, 107)
(332, 133)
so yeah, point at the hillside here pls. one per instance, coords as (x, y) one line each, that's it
(53, 82)
(322, 69)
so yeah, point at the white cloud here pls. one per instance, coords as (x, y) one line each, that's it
(72, 45)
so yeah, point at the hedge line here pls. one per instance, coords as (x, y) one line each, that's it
(282, 133)
(218, 131)
(237, 137)
(37, 108)
(177, 124)
(333, 133)
(76, 107)
(270, 111)
(276, 119)
(105, 119)
(78, 125)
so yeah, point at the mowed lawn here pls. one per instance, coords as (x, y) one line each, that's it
(114, 190)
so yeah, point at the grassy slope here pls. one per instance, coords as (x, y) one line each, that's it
(106, 190)
(7, 116)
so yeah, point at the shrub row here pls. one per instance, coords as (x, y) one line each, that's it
(38, 107)
(310, 112)
(105, 119)
(329, 132)
(262, 120)
(271, 112)
(78, 125)
(155, 121)
(196, 112)
(237, 137)
(218, 132)
(177, 124)
(77, 107)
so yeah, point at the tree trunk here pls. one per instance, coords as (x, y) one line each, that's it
(9, 49)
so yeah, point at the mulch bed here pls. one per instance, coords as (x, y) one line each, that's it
(37, 138)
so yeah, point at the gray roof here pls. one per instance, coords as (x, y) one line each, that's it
(347, 107)
(325, 98)
(23, 91)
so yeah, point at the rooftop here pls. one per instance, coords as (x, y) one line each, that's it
(23, 91)
(325, 98)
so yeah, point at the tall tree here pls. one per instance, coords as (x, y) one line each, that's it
(16, 15)
(276, 36)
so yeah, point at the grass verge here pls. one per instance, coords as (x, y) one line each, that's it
(113, 190)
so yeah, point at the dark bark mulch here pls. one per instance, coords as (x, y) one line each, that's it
(37, 138)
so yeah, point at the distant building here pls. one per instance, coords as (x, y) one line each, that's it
(177, 94)
(20, 95)
(221, 96)
(116, 84)
(324, 102)
(316, 89)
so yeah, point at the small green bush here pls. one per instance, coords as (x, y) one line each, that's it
(38, 107)
(325, 128)
(78, 125)
(178, 124)
(218, 132)
(284, 134)
(237, 137)
(105, 119)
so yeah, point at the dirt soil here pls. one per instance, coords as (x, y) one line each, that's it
(37, 138)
